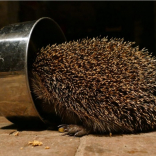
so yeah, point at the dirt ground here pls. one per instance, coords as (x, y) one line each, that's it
(14, 142)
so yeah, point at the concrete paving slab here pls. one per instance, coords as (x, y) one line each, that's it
(125, 145)
(11, 145)
(143, 144)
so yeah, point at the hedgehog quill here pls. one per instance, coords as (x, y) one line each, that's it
(98, 85)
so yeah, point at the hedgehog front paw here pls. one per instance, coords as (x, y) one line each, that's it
(73, 130)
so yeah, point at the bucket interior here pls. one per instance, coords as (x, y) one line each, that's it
(45, 32)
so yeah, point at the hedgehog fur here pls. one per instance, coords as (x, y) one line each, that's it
(105, 85)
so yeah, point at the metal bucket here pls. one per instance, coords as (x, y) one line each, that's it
(18, 46)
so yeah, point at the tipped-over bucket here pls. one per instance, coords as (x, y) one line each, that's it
(18, 46)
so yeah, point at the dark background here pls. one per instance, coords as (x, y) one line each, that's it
(131, 20)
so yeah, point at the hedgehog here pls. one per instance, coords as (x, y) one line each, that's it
(98, 85)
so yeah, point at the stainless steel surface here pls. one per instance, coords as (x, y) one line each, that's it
(18, 46)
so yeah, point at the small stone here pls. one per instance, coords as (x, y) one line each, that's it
(16, 133)
(47, 147)
(61, 130)
(35, 143)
